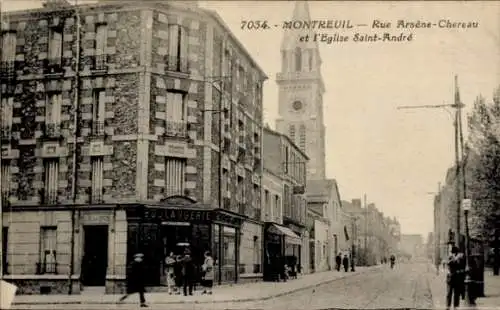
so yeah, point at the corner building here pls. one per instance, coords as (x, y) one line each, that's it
(144, 165)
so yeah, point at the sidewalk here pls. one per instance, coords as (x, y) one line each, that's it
(491, 287)
(227, 293)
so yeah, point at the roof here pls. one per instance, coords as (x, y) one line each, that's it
(321, 187)
(279, 134)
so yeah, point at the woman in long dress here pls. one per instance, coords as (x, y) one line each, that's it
(208, 269)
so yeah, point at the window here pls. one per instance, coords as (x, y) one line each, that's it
(256, 200)
(286, 201)
(97, 179)
(267, 205)
(100, 46)
(53, 108)
(298, 59)
(7, 110)
(241, 190)
(6, 179)
(51, 167)
(287, 159)
(174, 176)
(98, 111)
(302, 137)
(9, 47)
(291, 130)
(225, 180)
(175, 111)
(48, 246)
(55, 45)
(177, 49)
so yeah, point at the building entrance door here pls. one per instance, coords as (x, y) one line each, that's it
(95, 255)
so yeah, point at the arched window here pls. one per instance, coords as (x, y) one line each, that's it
(302, 137)
(298, 59)
(291, 131)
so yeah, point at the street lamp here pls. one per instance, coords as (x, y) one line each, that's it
(469, 298)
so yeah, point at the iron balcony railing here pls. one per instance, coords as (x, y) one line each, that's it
(100, 62)
(7, 69)
(6, 132)
(46, 268)
(53, 65)
(52, 130)
(175, 129)
(97, 128)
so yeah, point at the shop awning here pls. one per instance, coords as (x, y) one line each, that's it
(290, 236)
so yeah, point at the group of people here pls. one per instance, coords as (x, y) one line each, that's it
(180, 272)
(342, 261)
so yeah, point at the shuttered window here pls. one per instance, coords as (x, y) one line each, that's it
(51, 180)
(174, 176)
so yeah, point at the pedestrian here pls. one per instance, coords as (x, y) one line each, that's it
(454, 279)
(338, 261)
(345, 261)
(178, 280)
(208, 273)
(169, 271)
(135, 279)
(188, 272)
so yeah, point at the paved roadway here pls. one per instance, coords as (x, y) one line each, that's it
(403, 287)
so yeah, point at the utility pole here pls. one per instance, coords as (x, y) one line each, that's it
(365, 215)
(1, 200)
(457, 105)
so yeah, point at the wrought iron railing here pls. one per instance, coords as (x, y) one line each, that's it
(100, 62)
(6, 132)
(52, 130)
(7, 69)
(46, 268)
(97, 128)
(175, 129)
(53, 65)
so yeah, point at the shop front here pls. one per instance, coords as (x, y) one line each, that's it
(278, 240)
(179, 222)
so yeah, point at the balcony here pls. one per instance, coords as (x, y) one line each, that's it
(7, 69)
(176, 64)
(52, 130)
(54, 66)
(100, 63)
(98, 128)
(46, 268)
(175, 129)
(6, 133)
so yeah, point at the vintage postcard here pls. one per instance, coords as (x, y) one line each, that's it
(250, 154)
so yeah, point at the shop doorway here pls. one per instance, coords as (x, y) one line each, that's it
(95, 255)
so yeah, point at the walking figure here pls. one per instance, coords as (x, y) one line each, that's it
(135, 279)
(338, 261)
(454, 278)
(169, 271)
(346, 263)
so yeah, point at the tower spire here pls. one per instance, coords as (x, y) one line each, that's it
(291, 37)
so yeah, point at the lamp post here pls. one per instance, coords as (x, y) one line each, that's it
(469, 298)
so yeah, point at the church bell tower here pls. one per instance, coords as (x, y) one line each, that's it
(301, 91)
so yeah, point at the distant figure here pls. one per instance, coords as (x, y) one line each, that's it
(393, 260)
(345, 261)
(338, 261)
(169, 271)
(135, 279)
(209, 275)
(188, 272)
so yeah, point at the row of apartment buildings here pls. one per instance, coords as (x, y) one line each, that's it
(374, 236)
(137, 127)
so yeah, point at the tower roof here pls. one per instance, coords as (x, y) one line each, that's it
(291, 37)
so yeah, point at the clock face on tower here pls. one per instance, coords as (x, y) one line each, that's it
(297, 105)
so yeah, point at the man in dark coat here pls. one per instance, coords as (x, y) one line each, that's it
(345, 261)
(135, 279)
(188, 272)
(338, 261)
(454, 278)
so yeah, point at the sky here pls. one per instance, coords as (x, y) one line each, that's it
(395, 157)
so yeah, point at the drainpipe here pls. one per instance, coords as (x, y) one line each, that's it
(76, 133)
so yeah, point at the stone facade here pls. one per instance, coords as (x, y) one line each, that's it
(134, 74)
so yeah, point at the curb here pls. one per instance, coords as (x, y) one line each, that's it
(356, 273)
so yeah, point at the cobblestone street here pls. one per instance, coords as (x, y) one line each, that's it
(381, 288)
